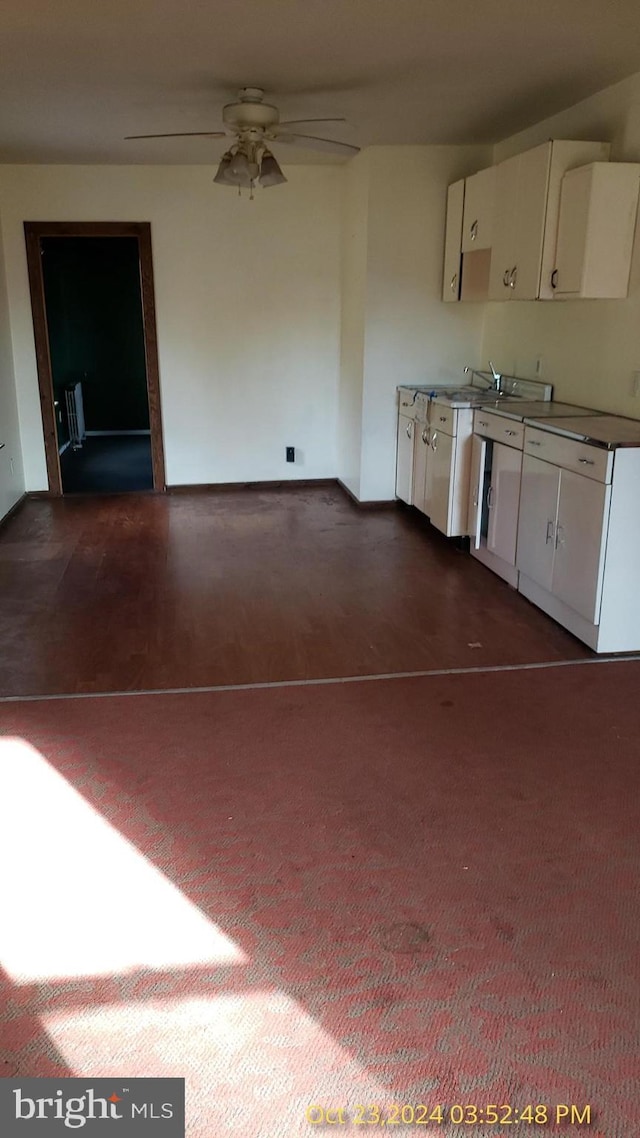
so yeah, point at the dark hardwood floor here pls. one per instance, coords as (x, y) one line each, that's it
(156, 591)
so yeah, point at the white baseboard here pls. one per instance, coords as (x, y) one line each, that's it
(104, 434)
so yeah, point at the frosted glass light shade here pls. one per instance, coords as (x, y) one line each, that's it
(270, 172)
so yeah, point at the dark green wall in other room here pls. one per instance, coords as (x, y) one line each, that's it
(94, 317)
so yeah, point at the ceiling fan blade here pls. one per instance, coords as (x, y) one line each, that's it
(295, 122)
(310, 142)
(181, 134)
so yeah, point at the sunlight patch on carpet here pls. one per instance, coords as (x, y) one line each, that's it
(78, 899)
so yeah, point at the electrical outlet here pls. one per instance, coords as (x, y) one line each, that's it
(291, 454)
(635, 385)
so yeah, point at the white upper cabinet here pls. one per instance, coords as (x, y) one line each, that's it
(527, 202)
(453, 241)
(477, 225)
(598, 207)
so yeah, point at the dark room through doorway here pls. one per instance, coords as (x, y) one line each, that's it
(96, 346)
(94, 321)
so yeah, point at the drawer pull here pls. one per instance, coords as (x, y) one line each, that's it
(443, 418)
(507, 432)
(483, 423)
(425, 436)
(587, 461)
(534, 443)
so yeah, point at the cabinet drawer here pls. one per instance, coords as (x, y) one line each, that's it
(593, 462)
(406, 403)
(443, 418)
(499, 429)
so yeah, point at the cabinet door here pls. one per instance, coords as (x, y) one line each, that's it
(440, 470)
(476, 487)
(477, 226)
(573, 223)
(537, 520)
(503, 253)
(504, 501)
(533, 183)
(583, 511)
(420, 453)
(404, 460)
(452, 242)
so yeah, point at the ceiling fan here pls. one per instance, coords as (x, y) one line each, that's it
(248, 161)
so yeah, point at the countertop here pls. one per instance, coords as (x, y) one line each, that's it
(523, 409)
(605, 430)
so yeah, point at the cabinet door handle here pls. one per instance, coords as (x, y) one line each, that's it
(454, 282)
(554, 279)
(587, 461)
(409, 430)
(443, 418)
(474, 230)
(425, 436)
(434, 441)
(505, 278)
(513, 276)
(550, 528)
(559, 533)
(490, 497)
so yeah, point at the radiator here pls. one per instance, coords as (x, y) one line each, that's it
(75, 415)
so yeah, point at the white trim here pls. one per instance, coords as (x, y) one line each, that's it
(329, 680)
(110, 433)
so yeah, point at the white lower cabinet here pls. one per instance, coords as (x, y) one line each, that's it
(502, 505)
(432, 467)
(404, 459)
(562, 534)
(440, 481)
(580, 543)
(421, 449)
(537, 519)
(494, 495)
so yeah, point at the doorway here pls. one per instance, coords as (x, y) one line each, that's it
(94, 323)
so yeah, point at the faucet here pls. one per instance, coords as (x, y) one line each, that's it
(494, 382)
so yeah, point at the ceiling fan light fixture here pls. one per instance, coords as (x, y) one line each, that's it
(270, 172)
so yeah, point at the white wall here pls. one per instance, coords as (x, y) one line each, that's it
(11, 471)
(589, 349)
(355, 221)
(248, 311)
(408, 335)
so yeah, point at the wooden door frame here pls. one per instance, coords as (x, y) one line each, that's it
(141, 230)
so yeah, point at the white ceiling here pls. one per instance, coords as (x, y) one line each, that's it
(78, 75)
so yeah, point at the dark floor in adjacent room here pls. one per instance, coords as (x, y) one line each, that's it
(108, 464)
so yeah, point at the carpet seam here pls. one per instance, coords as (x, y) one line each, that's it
(322, 681)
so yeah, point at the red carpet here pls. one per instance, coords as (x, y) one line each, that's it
(412, 892)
